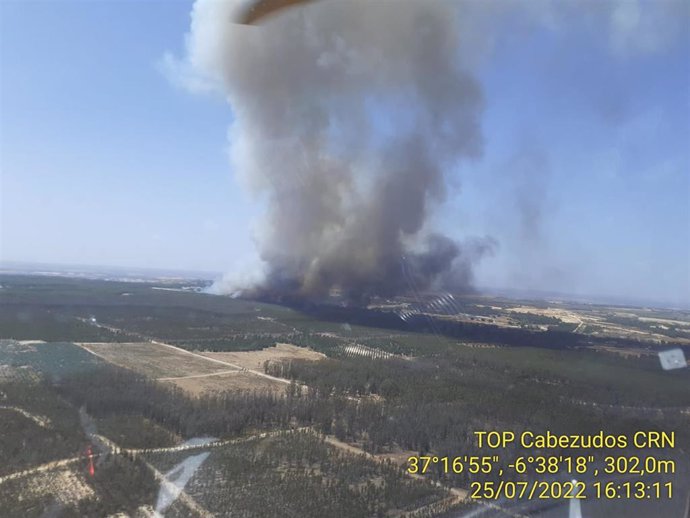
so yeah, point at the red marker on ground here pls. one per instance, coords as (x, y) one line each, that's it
(89, 453)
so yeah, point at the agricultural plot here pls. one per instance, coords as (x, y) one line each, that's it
(198, 373)
(54, 360)
(234, 381)
(154, 360)
(352, 350)
(257, 359)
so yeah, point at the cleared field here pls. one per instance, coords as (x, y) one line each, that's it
(255, 359)
(564, 315)
(665, 321)
(250, 370)
(199, 373)
(238, 380)
(154, 360)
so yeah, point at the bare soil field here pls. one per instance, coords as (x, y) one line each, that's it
(255, 359)
(198, 373)
(238, 380)
(154, 360)
(242, 370)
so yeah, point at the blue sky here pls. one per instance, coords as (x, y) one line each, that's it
(103, 161)
(584, 181)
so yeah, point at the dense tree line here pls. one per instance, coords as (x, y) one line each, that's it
(108, 390)
(561, 338)
(245, 342)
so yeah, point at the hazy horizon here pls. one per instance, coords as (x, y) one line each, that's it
(88, 271)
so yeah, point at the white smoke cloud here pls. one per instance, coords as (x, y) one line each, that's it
(350, 115)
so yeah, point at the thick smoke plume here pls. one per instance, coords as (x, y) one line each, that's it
(347, 118)
(350, 116)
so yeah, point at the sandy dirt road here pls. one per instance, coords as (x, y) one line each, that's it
(41, 421)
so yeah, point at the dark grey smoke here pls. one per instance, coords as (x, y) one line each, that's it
(348, 117)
